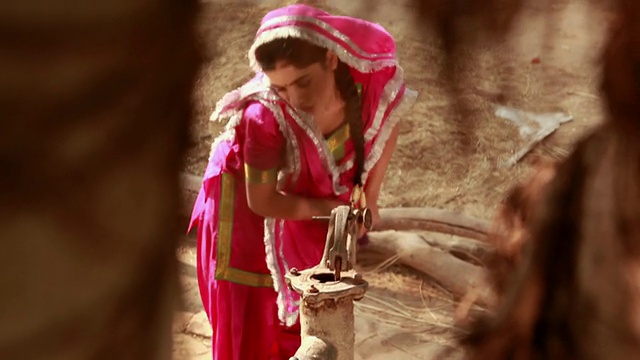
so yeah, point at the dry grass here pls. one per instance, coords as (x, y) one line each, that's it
(408, 301)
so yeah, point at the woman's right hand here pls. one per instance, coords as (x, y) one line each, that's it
(325, 206)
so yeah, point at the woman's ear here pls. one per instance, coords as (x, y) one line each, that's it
(332, 60)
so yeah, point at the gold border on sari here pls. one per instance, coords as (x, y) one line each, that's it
(224, 271)
(257, 176)
(337, 141)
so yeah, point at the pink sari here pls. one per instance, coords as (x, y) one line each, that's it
(242, 257)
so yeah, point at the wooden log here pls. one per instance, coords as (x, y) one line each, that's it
(455, 275)
(431, 219)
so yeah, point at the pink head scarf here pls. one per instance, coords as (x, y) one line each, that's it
(362, 45)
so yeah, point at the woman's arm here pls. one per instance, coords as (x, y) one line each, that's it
(376, 175)
(266, 201)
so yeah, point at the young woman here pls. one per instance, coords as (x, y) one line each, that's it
(317, 120)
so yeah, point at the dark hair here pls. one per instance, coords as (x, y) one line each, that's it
(301, 54)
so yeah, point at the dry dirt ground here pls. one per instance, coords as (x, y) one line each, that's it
(404, 314)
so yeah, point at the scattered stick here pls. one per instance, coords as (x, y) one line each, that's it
(547, 123)
(533, 141)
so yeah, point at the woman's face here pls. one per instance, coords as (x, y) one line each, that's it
(309, 88)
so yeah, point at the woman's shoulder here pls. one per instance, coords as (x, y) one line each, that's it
(257, 111)
(260, 118)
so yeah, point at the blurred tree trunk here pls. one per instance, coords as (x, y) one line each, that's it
(94, 111)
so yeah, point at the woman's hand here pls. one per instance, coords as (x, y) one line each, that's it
(325, 206)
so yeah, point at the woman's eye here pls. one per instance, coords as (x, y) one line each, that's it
(304, 83)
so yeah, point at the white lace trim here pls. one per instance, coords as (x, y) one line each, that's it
(289, 318)
(326, 27)
(231, 107)
(229, 132)
(389, 94)
(362, 65)
(395, 115)
(225, 106)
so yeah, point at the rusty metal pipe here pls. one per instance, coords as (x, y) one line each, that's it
(314, 348)
(332, 323)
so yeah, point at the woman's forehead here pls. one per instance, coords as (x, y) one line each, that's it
(286, 74)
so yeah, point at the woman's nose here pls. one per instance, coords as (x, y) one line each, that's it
(293, 98)
(296, 99)
(284, 95)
